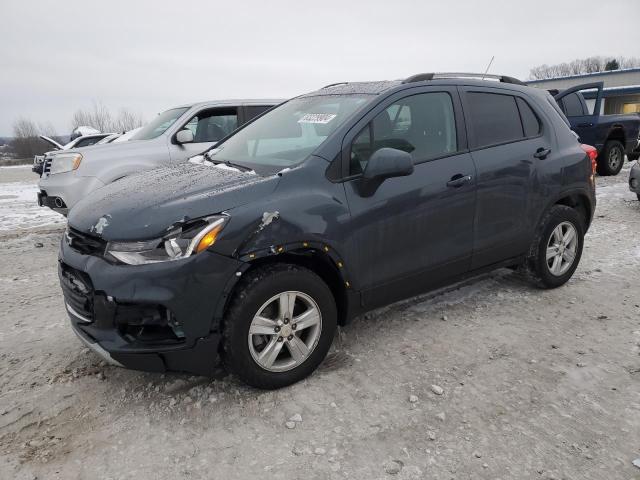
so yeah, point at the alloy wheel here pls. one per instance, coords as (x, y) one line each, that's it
(285, 331)
(561, 248)
(615, 158)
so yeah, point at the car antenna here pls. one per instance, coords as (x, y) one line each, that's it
(488, 67)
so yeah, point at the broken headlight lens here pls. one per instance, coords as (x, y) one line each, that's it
(65, 162)
(190, 239)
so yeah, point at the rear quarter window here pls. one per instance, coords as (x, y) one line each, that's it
(530, 122)
(558, 111)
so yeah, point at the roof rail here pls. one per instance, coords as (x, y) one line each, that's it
(421, 77)
(334, 84)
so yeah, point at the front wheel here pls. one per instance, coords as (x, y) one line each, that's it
(279, 326)
(556, 249)
(611, 160)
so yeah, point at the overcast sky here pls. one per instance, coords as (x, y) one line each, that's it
(56, 57)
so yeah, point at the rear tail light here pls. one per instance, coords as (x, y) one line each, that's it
(592, 153)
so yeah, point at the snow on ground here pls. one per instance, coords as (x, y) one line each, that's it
(18, 202)
(14, 167)
(529, 383)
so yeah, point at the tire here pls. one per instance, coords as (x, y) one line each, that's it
(536, 266)
(633, 156)
(611, 159)
(241, 353)
(638, 194)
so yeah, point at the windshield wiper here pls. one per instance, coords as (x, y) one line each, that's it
(242, 168)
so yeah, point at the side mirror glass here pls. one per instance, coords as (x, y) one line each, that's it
(184, 136)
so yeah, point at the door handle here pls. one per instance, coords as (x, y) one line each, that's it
(587, 124)
(542, 153)
(458, 180)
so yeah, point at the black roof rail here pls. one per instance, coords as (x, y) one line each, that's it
(334, 84)
(421, 77)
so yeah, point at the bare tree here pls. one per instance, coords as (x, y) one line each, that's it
(632, 62)
(582, 66)
(100, 118)
(26, 142)
(126, 120)
(47, 128)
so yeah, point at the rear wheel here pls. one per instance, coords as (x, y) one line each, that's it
(279, 326)
(611, 160)
(556, 249)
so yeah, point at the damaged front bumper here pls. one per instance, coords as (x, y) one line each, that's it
(158, 317)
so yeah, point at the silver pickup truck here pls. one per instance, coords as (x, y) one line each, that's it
(172, 137)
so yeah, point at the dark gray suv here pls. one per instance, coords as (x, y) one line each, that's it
(331, 204)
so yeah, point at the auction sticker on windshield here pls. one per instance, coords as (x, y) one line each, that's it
(317, 118)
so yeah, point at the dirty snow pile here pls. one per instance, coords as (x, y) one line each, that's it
(19, 206)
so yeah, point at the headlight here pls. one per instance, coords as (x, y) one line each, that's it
(190, 239)
(65, 162)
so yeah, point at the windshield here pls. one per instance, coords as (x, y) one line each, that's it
(159, 125)
(288, 134)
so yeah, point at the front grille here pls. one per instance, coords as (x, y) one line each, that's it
(47, 165)
(83, 243)
(77, 291)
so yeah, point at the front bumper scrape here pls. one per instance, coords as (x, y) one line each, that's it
(200, 359)
(91, 343)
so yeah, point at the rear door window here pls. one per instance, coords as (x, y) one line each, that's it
(495, 118)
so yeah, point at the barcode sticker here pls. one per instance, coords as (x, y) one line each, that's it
(322, 118)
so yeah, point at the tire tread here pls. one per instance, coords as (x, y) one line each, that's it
(236, 313)
(530, 269)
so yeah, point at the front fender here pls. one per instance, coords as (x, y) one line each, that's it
(305, 213)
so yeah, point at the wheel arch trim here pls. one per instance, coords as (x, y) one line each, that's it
(571, 198)
(319, 257)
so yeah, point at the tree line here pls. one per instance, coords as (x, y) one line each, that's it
(26, 142)
(581, 66)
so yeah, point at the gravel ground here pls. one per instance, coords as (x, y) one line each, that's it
(489, 379)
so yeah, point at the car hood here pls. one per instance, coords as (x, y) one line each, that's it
(146, 205)
(51, 141)
(113, 148)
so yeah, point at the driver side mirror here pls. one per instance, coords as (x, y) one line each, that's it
(184, 136)
(384, 163)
